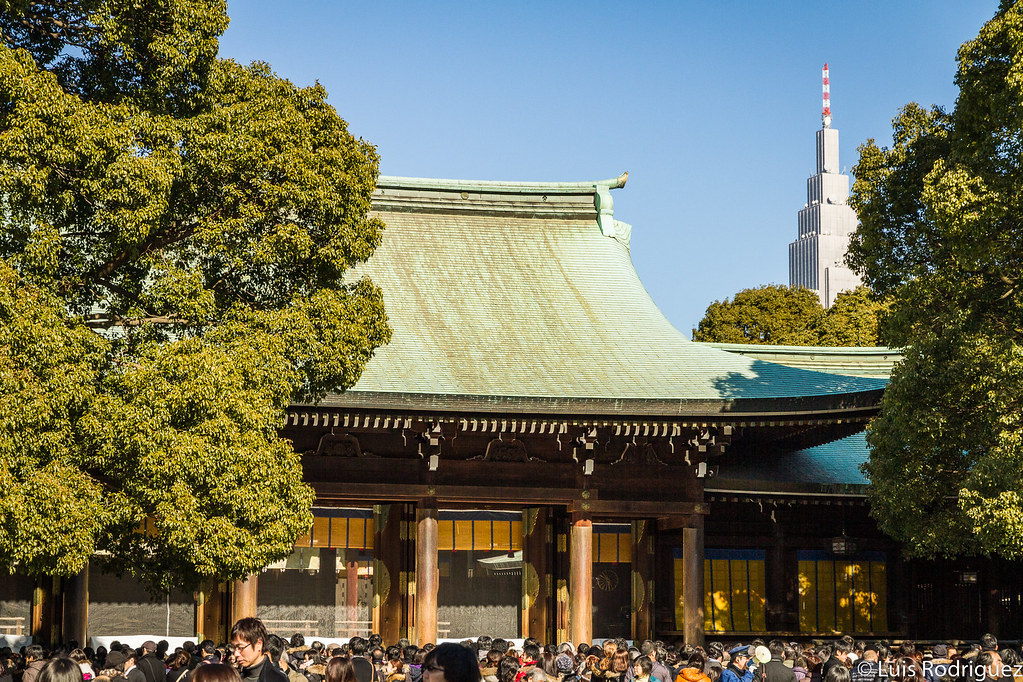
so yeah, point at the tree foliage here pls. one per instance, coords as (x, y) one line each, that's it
(176, 233)
(792, 316)
(941, 233)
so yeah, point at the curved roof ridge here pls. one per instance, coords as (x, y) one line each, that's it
(513, 187)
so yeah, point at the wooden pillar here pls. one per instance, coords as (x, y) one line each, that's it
(42, 611)
(427, 572)
(351, 599)
(76, 608)
(393, 563)
(562, 570)
(210, 611)
(643, 544)
(777, 582)
(581, 581)
(692, 584)
(244, 598)
(537, 575)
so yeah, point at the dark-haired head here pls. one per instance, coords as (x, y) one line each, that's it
(340, 670)
(60, 670)
(215, 672)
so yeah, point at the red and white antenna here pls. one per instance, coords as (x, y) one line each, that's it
(826, 85)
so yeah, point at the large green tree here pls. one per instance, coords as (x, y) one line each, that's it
(792, 316)
(941, 213)
(176, 229)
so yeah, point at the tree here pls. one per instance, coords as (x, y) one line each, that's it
(941, 233)
(771, 314)
(792, 316)
(176, 233)
(852, 320)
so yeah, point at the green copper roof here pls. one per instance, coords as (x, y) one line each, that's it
(830, 464)
(874, 362)
(527, 290)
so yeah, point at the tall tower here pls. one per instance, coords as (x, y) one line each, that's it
(817, 256)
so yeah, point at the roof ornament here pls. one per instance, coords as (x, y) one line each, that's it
(605, 205)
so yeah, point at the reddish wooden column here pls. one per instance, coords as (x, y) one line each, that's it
(581, 581)
(537, 578)
(427, 572)
(643, 543)
(692, 583)
(76, 607)
(244, 598)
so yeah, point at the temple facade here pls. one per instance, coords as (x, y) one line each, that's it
(538, 452)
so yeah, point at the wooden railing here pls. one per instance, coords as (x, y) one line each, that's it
(309, 628)
(12, 625)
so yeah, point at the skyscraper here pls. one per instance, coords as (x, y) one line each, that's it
(817, 256)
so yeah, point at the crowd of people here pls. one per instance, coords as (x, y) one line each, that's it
(254, 655)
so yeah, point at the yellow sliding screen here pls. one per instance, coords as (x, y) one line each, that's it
(734, 583)
(842, 595)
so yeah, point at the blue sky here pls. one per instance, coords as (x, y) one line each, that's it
(711, 106)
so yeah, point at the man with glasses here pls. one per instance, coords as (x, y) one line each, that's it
(249, 644)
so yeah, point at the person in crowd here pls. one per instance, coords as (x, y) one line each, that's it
(364, 670)
(507, 669)
(565, 667)
(775, 670)
(488, 667)
(642, 670)
(34, 663)
(868, 668)
(215, 672)
(177, 667)
(451, 663)
(248, 644)
(151, 667)
(839, 656)
(738, 662)
(79, 657)
(693, 670)
(838, 673)
(340, 670)
(60, 669)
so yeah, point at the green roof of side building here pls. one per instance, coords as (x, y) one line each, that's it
(876, 362)
(523, 297)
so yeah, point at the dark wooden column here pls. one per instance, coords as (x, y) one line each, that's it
(777, 582)
(643, 544)
(43, 624)
(392, 567)
(537, 576)
(244, 598)
(76, 607)
(692, 582)
(581, 581)
(562, 570)
(427, 572)
(210, 611)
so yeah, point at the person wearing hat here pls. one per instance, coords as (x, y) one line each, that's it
(939, 663)
(131, 671)
(737, 670)
(115, 661)
(152, 668)
(565, 665)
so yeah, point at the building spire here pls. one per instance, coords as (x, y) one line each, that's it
(826, 85)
